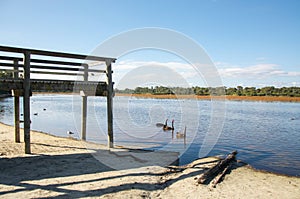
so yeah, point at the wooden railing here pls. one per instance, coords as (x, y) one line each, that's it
(22, 84)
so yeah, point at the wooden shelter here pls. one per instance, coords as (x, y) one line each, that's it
(21, 63)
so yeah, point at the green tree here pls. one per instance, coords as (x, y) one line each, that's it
(231, 91)
(249, 91)
(5, 75)
(239, 91)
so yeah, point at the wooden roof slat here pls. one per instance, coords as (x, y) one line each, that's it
(55, 54)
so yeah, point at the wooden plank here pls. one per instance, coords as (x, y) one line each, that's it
(53, 68)
(56, 68)
(66, 68)
(9, 58)
(6, 64)
(26, 102)
(90, 88)
(54, 54)
(43, 61)
(57, 73)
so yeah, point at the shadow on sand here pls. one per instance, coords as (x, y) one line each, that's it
(23, 172)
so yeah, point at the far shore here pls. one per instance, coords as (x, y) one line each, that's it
(227, 97)
(198, 97)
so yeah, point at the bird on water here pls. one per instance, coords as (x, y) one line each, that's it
(166, 127)
(180, 134)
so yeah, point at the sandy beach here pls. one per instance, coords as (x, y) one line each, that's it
(69, 168)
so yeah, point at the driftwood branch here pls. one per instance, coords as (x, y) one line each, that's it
(203, 165)
(222, 167)
(220, 176)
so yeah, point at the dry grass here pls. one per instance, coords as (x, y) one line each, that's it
(237, 98)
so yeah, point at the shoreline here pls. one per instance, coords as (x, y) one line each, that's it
(67, 168)
(102, 146)
(195, 97)
(226, 97)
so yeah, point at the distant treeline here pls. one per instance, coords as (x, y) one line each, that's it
(203, 91)
(238, 91)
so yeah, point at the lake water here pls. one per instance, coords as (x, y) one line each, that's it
(266, 134)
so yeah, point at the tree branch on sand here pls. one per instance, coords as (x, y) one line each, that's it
(219, 170)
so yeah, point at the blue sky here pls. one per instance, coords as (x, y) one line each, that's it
(252, 43)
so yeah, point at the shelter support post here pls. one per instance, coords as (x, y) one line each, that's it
(26, 101)
(84, 106)
(84, 117)
(109, 105)
(16, 105)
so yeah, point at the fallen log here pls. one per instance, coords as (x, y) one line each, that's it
(220, 176)
(215, 170)
(196, 163)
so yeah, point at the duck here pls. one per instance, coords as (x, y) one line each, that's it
(70, 132)
(166, 127)
(35, 114)
(181, 135)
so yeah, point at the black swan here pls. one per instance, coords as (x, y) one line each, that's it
(166, 127)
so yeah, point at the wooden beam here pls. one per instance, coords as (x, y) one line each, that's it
(6, 64)
(54, 68)
(84, 107)
(66, 68)
(84, 117)
(90, 88)
(16, 105)
(109, 105)
(54, 54)
(17, 118)
(9, 58)
(43, 61)
(57, 73)
(26, 102)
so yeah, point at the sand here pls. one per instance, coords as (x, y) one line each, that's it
(68, 168)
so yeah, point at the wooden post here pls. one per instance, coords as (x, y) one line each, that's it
(84, 106)
(17, 105)
(26, 101)
(83, 119)
(109, 105)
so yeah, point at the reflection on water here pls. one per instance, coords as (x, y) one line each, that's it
(266, 135)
